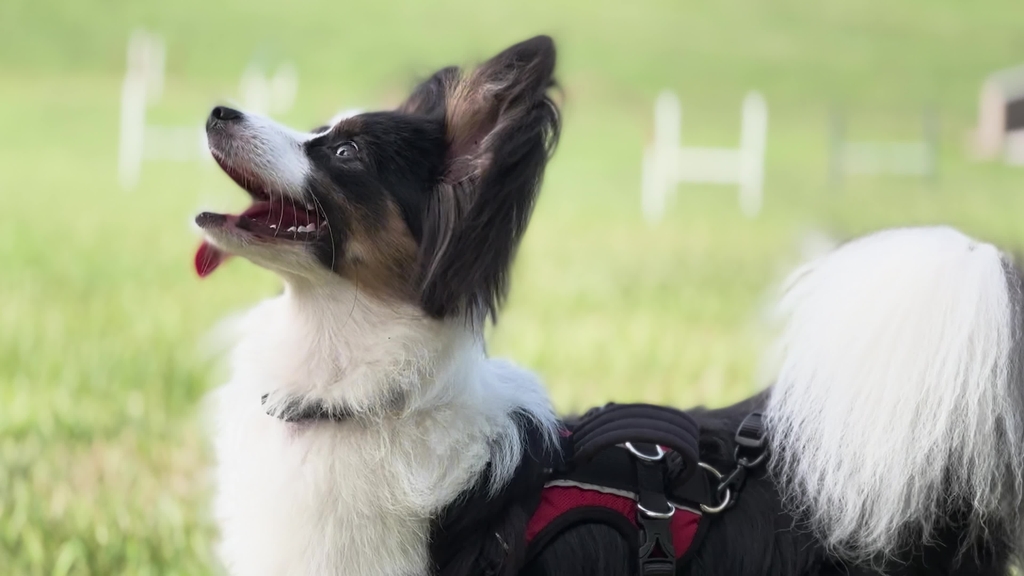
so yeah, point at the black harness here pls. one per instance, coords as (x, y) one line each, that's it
(637, 469)
(633, 467)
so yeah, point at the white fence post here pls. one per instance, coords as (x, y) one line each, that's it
(913, 158)
(143, 86)
(666, 162)
(753, 141)
(660, 159)
(268, 95)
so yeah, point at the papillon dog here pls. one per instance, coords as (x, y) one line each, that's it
(362, 405)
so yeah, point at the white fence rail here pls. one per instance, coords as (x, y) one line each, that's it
(667, 162)
(143, 85)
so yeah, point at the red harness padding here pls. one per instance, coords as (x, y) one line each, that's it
(563, 504)
(611, 487)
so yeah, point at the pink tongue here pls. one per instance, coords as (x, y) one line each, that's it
(208, 257)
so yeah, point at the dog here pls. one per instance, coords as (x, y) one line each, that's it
(363, 412)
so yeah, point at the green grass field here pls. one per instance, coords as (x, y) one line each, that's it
(102, 454)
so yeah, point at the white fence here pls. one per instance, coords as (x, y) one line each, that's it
(269, 95)
(667, 162)
(143, 86)
(1000, 129)
(912, 158)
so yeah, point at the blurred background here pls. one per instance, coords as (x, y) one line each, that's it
(870, 110)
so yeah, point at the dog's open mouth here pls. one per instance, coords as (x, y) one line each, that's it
(272, 217)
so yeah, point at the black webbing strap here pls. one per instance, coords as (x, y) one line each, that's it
(657, 555)
(645, 431)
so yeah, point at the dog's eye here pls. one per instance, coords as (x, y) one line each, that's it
(346, 150)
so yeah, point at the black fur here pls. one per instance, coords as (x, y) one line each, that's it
(484, 533)
(477, 216)
(756, 537)
(396, 158)
(430, 97)
(462, 159)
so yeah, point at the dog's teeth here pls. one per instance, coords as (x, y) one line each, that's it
(292, 229)
(312, 227)
(307, 228)
(309, 206)
(274, 226)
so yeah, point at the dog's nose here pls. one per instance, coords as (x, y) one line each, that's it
(225, 114)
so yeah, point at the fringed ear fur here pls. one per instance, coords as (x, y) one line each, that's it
(428, 99)
(501, 128)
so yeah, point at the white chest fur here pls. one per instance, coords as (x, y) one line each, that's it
(356, 497)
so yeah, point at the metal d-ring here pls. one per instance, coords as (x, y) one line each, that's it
(726, 498)
(639, 454)
(659, 455)
(671, 511)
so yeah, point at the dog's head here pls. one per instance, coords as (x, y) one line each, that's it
(425, 203)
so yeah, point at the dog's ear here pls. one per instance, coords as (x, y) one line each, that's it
(429, 97)
(501, 127)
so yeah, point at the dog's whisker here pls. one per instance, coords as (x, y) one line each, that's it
(280, 217)
(330, 230)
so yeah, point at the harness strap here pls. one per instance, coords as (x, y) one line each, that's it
(631, 467)
(657, 555)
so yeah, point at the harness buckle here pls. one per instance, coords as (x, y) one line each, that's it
(657, 567)
(750, 433)
(656, 538)
(657, 555)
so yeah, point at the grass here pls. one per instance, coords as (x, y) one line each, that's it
(102, 454)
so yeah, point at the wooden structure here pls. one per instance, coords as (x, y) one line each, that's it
(1000, 129)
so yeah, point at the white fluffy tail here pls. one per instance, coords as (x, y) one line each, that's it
(898, 398)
